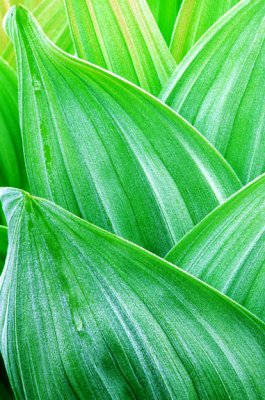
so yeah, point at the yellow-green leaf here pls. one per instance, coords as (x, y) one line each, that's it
(122, 37)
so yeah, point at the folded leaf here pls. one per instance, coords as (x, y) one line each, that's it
(193, 20)
(52, 17)
(3, 246)
(219, 87)
(109, 152)
(101, 318)
(122, 37)
(165, 13)
(12, 169)
(227, 249)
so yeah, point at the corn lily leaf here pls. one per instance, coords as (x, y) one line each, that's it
(12, 168)
(165, 13)
(3, 246)
(108, 151)
(101, 318)
(122, 37)
(194, 19)
(227, 249)
(218, 87)
(4, 6)
(53, 19)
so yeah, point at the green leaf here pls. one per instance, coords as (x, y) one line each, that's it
(53, 19)
(121, 36)
(108, 151)
(227, 249)
(101, 318)
(219, 87)
(165, 13)
(5, 389)
(194, 19)
(3, 246)
(12, 170)
(4, 6)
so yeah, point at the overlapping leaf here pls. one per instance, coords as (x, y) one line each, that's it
(165, 13)
(101, 318)
(105, 150)
(194, 19)
(227, 249)
(52, 17)
(219, 87)
(12, 170)
(122, 37)
(3, 246)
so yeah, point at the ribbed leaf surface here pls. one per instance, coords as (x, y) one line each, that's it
(227, 249)
(101, 318)
(219, 87)
(110, 152)
(193, 20)
(122, 37)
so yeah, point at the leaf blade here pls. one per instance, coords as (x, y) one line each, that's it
(89, 124)
(226, 249)
(121, 36)
(218, 86)
(193, 20)
(134, 290)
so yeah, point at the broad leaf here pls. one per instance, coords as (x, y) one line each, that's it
(3, 246)
(52, 17)
(101, 318)
(12, 170)
(227, 249)
(194, 19)
(108, 151)
(122, 37)
(165, 13)
(219, 87)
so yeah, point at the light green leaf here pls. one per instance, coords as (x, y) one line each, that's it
(101, 318)
(110, 152)
(4, 6)
(219, 87)
(52, 17)
(165, 13)
(227, 249)
(122, 37)
(194, 19)
(12, 170)
(3, 247)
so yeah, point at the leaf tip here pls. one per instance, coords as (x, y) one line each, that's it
(12, 17)
(10, 199)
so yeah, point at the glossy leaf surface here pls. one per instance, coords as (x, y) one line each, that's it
(165, 14)
(108, 151)
(82, 323)
(122, 37)
(219, 87)
(194, 19)
(227, 249)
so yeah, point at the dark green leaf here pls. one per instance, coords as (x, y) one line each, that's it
(219, 87)
(108, 151)
(100, 318)
(165, 13)
(3, 246)
(122, 37)
(227, 249)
